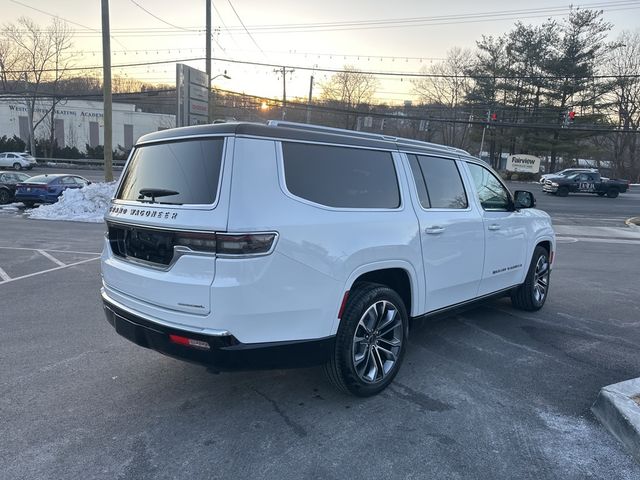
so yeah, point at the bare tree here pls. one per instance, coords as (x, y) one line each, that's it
(446, 90)
(349, 90)
(624, 64)
(42, 57)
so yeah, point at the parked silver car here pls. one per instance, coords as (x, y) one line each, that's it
(17, 160)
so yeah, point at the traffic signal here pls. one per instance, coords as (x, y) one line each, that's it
(494, 117)
(568, 117)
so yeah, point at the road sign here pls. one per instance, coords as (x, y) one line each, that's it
(193, 96)
(523, 163)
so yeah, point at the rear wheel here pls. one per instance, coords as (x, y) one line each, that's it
(532, 294)
(612, 193)
(563, 191)
(5, 196)
(29, 204)
(17, 166)
(370, 342)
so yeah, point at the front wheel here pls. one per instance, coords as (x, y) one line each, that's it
(370, 342)
(563, 191)
(532, 294)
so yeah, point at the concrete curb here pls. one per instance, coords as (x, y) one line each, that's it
(633, 222)
(618, 409)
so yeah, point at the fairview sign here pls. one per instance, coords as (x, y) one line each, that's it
(523, 163)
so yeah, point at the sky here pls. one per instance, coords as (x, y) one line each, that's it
(296, 33)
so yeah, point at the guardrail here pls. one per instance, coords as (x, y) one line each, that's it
(77, 162)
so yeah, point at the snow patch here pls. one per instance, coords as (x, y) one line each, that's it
(11, 207)
(87, 204)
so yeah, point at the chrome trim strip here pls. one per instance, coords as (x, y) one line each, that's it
(205, 331)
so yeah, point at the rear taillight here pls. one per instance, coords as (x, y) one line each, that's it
(202, 242)
(236, 244)
(245, 244)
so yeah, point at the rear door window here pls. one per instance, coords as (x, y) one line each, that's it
(438, 182)
(183, 172)
(341, 177)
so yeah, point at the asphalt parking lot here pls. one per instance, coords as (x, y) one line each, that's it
(488, 393)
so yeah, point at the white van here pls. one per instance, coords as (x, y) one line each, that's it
(243, 245)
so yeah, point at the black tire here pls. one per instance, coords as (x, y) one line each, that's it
(612, 193)
(532, 294)
(5, 196)
(17, 166)
(563, 191)
(601, 194)
(368, 305)
(29, 204)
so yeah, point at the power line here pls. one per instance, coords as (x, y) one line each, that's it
(157, 17)
(338, 70)
(54, 15)
(245, 28)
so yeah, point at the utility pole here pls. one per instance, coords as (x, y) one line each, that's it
(208, 55)
(106, 85)
(484, 129)
(310, 95)
(30, 105)
(283, 71)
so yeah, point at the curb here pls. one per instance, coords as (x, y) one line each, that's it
(618, 409)
(633, 222)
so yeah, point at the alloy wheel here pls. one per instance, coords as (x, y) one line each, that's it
(377, 342)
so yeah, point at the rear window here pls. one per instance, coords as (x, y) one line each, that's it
(185, 172)
(40, 179)
(341, 177)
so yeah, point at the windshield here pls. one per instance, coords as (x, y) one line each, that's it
(184, 172)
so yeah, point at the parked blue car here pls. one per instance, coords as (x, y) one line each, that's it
(47, 188)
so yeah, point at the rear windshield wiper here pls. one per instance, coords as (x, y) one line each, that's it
(155, 192)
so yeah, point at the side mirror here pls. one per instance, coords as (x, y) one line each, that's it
(523, 199)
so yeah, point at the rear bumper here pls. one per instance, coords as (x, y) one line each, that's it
(35, 198)
(225, 352)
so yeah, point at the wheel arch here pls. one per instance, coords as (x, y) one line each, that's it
(398, 275)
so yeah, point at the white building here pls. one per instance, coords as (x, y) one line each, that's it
(80, 122)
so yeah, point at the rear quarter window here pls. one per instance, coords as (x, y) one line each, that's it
(190, 168)
(341, 177)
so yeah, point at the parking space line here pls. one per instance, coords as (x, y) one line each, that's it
(9, 280)
(52, 258)
(50, 250)
(4, 276)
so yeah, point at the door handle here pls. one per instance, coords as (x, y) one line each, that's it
(494, 226)
(434, 230)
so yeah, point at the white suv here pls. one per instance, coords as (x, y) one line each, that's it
(245, 245)
(17, 160)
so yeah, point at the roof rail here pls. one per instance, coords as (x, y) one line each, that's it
(335, 131)
(355, 133)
